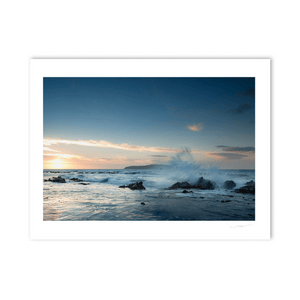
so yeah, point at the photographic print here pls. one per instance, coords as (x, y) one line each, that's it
(149, 148)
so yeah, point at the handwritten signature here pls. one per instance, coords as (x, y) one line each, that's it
(240, 226)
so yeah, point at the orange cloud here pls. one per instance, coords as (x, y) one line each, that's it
(196, 127)
(62, 155)
(48, 149)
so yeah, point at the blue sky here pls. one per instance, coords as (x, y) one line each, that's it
(151, 114)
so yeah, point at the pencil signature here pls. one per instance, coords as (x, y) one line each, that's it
(240, 226)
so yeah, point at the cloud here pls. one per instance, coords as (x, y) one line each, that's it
(196, 127)
(62, 155)
(237, 149)
(242, 108)
(105, 144)
(248, 93)
(48, 149)
(226, 156)
(154, 155)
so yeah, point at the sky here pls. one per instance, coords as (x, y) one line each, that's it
(111, 123)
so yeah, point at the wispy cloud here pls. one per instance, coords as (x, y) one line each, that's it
(236, 149)
(105, 144)
(155, 155)
(226, 156)
(196, 127)
(62, 155)
(48, 149)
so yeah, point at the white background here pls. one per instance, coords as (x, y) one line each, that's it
(150, 270)
(258, 68)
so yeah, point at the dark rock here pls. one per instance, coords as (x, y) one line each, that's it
(246, 190)
(201, 184)
(229, 185)
(83, 183)
(76, 179)
(204, 184)
(186, 192)
(180, 185)
(134, 186)
(56, 179)
(250, 183)
(224, 201)
(143, 203)
(230, 196)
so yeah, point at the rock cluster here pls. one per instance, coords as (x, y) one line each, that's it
(202, 184)
(56, 179)
(134, 186)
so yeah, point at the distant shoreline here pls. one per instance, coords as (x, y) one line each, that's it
(154, 166)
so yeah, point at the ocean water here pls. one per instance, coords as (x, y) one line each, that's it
(102, 199)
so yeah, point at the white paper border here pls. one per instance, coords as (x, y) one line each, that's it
(152, 230)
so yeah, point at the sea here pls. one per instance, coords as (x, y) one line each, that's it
(102, 199)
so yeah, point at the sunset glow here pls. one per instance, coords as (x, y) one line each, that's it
(117, 122)
(55, 164)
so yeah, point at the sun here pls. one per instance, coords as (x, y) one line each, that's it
(57, 164)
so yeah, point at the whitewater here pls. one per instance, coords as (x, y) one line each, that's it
(97, 195)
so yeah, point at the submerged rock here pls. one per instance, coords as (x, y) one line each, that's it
(56, 179)
(186, 192)
(229, 185)
(134, 186)
(83, 183)
(143, 203)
